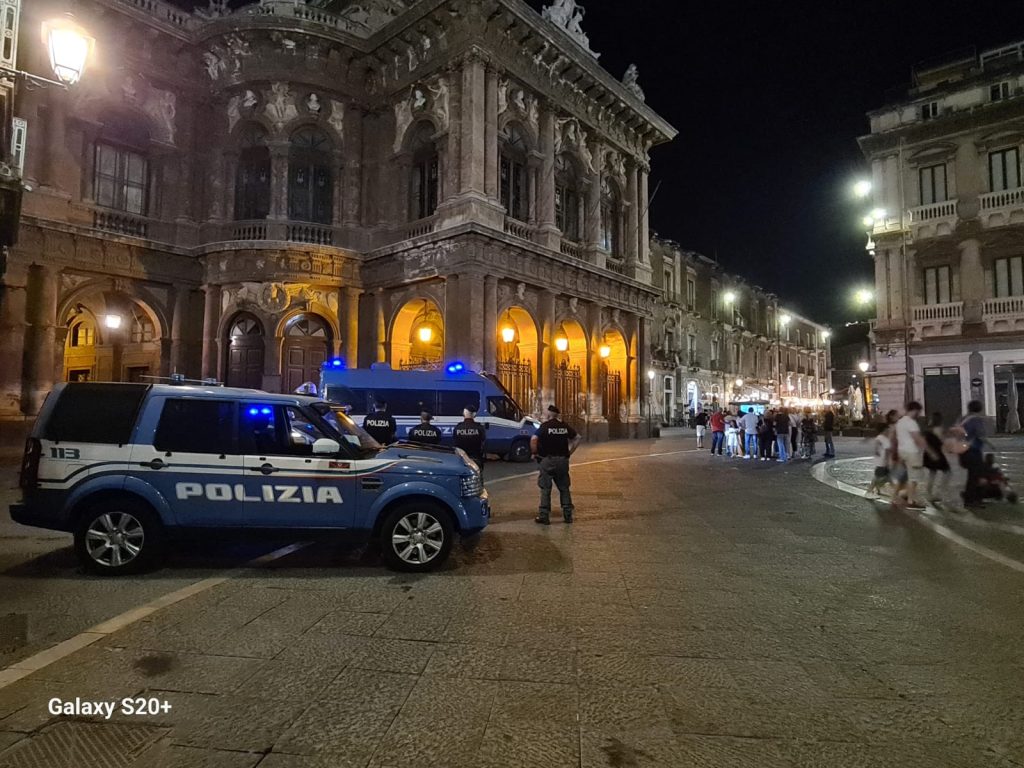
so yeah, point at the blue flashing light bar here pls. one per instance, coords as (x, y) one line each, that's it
(455, 367)
(337, 363)
(260, 410)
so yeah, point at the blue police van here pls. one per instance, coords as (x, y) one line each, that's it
(125, 466)
(445, 393)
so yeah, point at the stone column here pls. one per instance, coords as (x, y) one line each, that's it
(230, 175)
(453, 152)
(644, 244)
(338, 196)
(278, 179)
(350, 324)
(472, 159)
(56, 140)
(217, 185)
(972, 280)
(402, 189)
(592, 217)
(273, 378)
(211, 321)
(13, 300)
(179, 351)
(352, 169)
(491, 135)
(41, 313)
(381, 337)
(454, 318)
(596, 399)
(548, 232)
(632, 205)
(545, 353)
(882, 303)
(490, 324)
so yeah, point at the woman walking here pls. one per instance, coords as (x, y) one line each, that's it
(972, 429)
(935, 461)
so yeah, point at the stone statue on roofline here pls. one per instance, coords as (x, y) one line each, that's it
(632, 81)
(568, 14)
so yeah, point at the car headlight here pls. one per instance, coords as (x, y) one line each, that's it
(472, 485)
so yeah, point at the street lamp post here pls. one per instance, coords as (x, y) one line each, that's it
(781, 320)
(650, 401)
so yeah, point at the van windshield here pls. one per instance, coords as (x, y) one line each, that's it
(336, 418)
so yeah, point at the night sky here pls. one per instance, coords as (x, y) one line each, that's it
(769, 99)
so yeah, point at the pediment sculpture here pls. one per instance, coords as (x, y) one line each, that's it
(568, 14)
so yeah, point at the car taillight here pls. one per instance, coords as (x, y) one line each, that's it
(29, 477)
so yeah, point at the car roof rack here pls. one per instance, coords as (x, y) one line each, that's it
(179, 378)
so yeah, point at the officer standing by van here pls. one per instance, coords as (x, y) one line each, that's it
(380, 424)
(552, 446)
(470, 436)
(425, 433)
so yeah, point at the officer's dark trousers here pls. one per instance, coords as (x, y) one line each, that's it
(554, 469)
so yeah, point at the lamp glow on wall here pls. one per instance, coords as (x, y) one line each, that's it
(739, 382)
(650, 375)
(508, 334)
(729, 297)
(425, 333)
(785, 319)
(863, 365)
(69, 47)
(561, 343)
(112, 321)
(605, 351)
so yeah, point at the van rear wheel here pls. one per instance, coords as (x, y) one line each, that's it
(118, 536)
(520, 451)
(416, 537)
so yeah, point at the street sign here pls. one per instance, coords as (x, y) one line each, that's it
(976, 382)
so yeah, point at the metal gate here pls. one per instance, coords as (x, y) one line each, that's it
(611, 401)
(517, 378)
(568, 396)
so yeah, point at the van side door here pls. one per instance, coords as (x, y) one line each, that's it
(286, 486)
(190, 456)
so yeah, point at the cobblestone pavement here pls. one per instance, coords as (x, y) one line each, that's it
(701, 612)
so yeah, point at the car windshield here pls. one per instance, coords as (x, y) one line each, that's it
(336, 418)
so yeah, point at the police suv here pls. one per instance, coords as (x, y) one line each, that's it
(125, 466)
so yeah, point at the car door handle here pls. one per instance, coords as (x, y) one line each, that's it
(266, 469)
(154, 464)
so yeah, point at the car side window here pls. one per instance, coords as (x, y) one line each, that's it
(196, 426)
(259, 431)
(302, 432)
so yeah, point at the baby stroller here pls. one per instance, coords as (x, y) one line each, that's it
(993, 482)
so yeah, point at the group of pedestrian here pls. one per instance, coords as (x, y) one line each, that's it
(907, 457)
(777, 434)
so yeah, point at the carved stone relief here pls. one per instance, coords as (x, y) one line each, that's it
(280, 107)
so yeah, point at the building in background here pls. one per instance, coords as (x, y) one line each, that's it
(948, 235)
(719, 340)
(242, 194)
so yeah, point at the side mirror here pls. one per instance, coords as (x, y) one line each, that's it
(326, 447)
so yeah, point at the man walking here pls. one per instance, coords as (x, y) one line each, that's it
(381, 424)
(910, 447)
(552, 446)
(750, 430)
(470, 436)
(700, 423)
(717, 432)
(781, 433)
(828, 426)
(425, 433)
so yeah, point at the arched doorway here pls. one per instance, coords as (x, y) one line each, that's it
(80, 348)
(417, 336)
(614, 355)
(517, 356)
(245, 352)
(570, 363)
(307, 344)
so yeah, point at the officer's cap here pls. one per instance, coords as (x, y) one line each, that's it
(554, 409)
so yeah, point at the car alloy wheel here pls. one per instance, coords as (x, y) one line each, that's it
(417, 538)
(114, 539)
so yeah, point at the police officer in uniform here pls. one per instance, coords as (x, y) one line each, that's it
(425, 433)
(552, 446)
(470, 436)
(381, 424)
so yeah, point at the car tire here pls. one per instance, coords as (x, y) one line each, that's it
(520, 451)
(416, 537)
(118, 536)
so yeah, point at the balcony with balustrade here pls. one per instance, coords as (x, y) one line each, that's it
(997, 209)
(931, 320)
(933, 220)
(1004, 314)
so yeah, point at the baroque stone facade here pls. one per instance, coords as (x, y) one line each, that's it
(242, 194)
(947, 237)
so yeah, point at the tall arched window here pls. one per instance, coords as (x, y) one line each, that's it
(309, 176)
(610, 216)
(252, 177)
(512, 174)
(567, 198)
(120, 165)
(423, 186)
